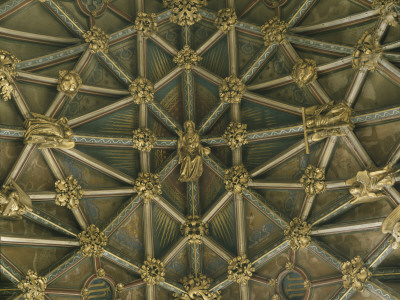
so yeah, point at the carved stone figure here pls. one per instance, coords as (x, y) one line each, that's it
(197, 288)
(304, 71)
(48, 132)
(392, 225)
(367, 186)
(326, 120)
(7, 72)
(190, 153)
(69, 82)
(14, 202)
(145, 24)
(367, 51)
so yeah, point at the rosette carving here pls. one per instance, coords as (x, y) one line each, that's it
(231, 90)
(240, 269)
(92, 241)
(313, 180)
(298, 233)
(236, 179)
(145, 24)
(142, 90)
(185, 12)
(274, 31)
(98, 40)
(355, 275)
(226, 19)
(194, 229)
(33, 286)
(235, 135)
(187, 58)
(143, 139)
(68, 192)
(152, 271)
(147, 185)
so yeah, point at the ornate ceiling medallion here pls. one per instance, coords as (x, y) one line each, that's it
(313, 180)
(274, 31)
(7, 73)
(152, 271)
(142, 90)
(194, 229)
(355, 275)
(145, 24)
(187, 58)
(148, 186)
(197, 288)
(367, 52)
(98, 40)
(235, 135)
(236, 179)
(231, 90)
(92, 242)
(33, 286)
(48, 132)
(226, 19)
(143, 139)
(69, 82)
(304, 71)
(68, 192)
(14, 202)
(240, 269)
(185, 12)
(298, 233)
(93, 8)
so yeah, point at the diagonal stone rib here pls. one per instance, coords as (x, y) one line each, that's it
(164, 44)
(354, 144)
(210, 42)
(300, 12)
(217, 248)
(98, 165)
(101, 112)
(20, 163)
(380, 252)
(21, 102)
(170, 209)
(335, 65)
(355, 87)
(274, 185)
(381, 290)
(269, 253)
(326, 253)
(257, 63)
(109, 192)
(217, 206)
(271, 83)
(122, 34)
(167, 78)
(272, 103)
(324, 47)
(120, 260)
(11, 6)
(168, 166)
(377, 116)
(164, 116)
(212, 117)
(52, 164)
(115, 67)
(117, 141)
(207, 75)
(337, 208)
(343, 293)
(356, 226)
(46, 242)
(213, 163)
(67, 264)
(390, 71)
(9, 270)
(174, 250)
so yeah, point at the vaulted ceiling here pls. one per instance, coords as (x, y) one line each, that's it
(47, 36)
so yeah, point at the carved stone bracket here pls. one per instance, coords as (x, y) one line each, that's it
(240, 269)
(69, 82)
(145, 24)
(187, 58)
(304, 71)
(274, 31)
(226, 19)
(33, 286)
(7, 73)
(355, 275)
(98, 40)
(235, 135)
(68, 192)
(142, 90)
(231, 90)
(194, 230)
(152, 271)
(185, 13)
(148, 186)
(236, 179)
(298, 233)
(92, 241)
(313, 180)
(197, 288)
(143, 139)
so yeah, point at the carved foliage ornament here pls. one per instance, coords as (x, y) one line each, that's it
(7, 72)
(69, 82)
(313, 180)
(367, 51)
(14, 202)
(231, 90)
(143, 139)
(194, 229)
(226, 19)
(147, 185)
(33, 286)
(235, 135)
(236, 179)
(298, 233)
(145, 24)
(187, 58)
(48, 132)
(387, 10)
(100, 273)
(68, 192)
(355, 275)
(92, 241)
(98, 40)
(142, 90)
(289, 266)
(197, 288)
(152, 271)
(240, 269)
(304, 71)
(274, 31)
(185, 12)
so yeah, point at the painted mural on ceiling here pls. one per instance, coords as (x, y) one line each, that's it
(287, 188)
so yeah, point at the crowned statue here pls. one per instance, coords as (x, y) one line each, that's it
(48, 132)
(14, 202)
(190, 153)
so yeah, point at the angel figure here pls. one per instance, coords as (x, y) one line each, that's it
(48, 132)
(367, 186)
(14, 202)
(190, 153)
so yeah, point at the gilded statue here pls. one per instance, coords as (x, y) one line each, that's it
(326, 120)
(190, 153)
(14, 202)
(48, 132)
(69, 82)
(391, 225)
(367, 186)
